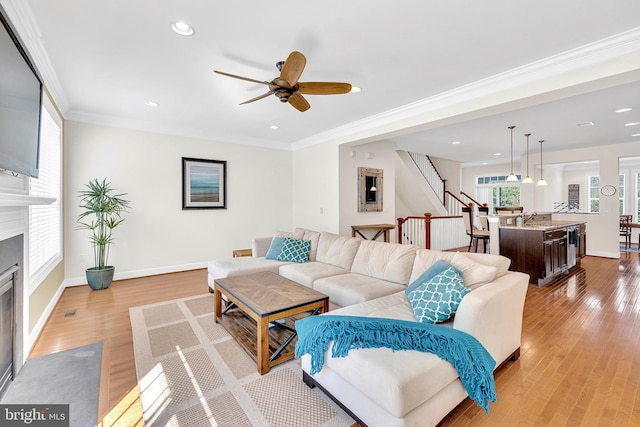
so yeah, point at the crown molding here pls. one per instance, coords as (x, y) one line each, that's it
(620, 54)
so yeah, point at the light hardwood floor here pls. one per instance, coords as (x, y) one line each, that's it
(579, 364)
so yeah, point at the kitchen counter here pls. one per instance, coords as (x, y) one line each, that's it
(544, 249)
(544, 225)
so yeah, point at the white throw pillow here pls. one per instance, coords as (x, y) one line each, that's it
(473, 273)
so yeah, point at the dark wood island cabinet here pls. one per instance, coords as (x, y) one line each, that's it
(544, 251)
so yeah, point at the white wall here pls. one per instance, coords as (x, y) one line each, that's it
(315, 182)
(379, 155)
(158, 236)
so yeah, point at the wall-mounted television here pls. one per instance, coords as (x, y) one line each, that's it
(20, 105)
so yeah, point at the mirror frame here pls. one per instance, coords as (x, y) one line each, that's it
(365, 205)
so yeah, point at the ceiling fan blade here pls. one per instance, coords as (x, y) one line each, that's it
(293, 67)
(240, 77)
(323, 88)
(257, 98)
(299, 102)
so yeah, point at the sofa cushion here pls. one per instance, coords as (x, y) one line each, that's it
(238, 266)
(275, 248)
(425, 258)
(353, 288)
(385, 261)
(473, 273)
(294, 250)
(337, 250)
(312, 236)
(307, 273)
(437, 298)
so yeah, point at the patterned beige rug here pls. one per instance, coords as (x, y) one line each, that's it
(191, 372)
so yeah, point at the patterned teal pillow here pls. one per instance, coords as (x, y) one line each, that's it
(437, 268)
(295, 250)
(437, 299)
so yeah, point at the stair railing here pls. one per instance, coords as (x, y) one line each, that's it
(430, 173)
(474, 201)
(415, 230)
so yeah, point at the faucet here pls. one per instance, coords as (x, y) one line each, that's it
(529, 218)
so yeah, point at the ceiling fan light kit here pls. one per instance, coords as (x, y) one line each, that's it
(287, 88)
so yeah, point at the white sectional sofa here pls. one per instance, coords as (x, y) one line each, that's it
(380, 387)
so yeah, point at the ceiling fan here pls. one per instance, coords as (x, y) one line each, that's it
(287, 88)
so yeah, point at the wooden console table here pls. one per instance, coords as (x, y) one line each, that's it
(380, 229)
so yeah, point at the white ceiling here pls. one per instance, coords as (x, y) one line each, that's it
(102, 60)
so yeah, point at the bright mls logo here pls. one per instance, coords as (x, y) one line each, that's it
(34, 415)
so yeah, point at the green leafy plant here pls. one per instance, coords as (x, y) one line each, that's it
(102, 212)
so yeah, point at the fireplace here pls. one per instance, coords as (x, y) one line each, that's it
(11, 298)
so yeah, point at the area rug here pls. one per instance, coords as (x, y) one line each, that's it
(191, 372)
(67, 377)
(629, 248)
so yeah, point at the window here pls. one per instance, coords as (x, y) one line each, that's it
(496, 191)
(45, 221)
(594, 194)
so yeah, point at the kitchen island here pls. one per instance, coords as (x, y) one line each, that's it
(544, 250)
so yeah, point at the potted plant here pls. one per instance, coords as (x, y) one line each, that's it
(102, 212)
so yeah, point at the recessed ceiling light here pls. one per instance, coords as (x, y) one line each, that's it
(455, 142)
(497, 154)
(182, 28)
(355, 89)
(274, 127)
(624, 110)
(636, 134)
(585, 124)
(632, 124)
(151, 104)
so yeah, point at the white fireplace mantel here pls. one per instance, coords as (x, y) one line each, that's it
(14, 199)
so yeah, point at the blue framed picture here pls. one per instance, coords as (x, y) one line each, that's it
(204, 184)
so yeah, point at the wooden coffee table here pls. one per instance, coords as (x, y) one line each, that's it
(266, 298)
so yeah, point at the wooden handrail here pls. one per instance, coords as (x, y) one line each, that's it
(477, 203)
(457, 198)
(444, 181)
(427, 228)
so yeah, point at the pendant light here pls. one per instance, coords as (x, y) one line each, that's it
(541, 182)
(512, 176)
(527, 179)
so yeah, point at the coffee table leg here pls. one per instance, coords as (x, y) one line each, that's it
(217, 304)
(263, 346)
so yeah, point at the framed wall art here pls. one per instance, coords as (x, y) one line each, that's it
(204, 184)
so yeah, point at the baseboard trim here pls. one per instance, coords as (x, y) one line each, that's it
(79, 281)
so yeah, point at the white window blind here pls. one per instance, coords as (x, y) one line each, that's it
(45, 221)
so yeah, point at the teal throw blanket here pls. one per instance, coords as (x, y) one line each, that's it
(472, 361)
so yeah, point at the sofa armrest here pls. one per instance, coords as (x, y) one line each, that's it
(493, 314)
(260, 246)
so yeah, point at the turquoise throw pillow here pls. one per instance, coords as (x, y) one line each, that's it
(437, 300)
(437, 268)
(295, 250)
(275, 248)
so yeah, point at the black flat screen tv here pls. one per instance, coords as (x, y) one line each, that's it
(20, 105)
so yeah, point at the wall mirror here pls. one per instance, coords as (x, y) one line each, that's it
(369, 190)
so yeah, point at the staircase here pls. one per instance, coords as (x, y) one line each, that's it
(443, 229)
